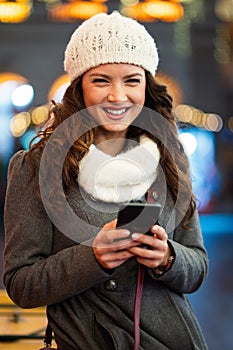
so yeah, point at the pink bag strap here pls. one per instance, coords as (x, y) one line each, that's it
(137, 307)
(151, 196)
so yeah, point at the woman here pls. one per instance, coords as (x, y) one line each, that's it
(113, 139)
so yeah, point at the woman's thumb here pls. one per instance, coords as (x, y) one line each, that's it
(111, 224)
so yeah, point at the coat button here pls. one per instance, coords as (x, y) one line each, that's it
(111, 285)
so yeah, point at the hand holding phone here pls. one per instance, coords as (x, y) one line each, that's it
(138, 217)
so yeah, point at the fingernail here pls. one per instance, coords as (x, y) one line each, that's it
(125, 233)
(136, 235)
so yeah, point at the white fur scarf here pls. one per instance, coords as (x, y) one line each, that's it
(125, 177)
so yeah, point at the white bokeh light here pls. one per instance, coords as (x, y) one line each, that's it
(23, 95)
(189, 142)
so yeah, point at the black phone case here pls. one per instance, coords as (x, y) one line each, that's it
(138, 217)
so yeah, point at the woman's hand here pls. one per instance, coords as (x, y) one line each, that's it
(158, 250)
(112, 246)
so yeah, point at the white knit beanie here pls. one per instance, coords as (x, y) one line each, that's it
(109, 39)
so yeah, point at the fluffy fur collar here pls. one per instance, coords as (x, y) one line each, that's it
(125, 177)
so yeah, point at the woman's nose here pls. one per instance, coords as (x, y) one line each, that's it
(117, 93)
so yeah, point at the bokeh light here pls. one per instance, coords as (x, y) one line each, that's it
(19, 124)
(39, 114)
(14, 12)
(23, 95)
(173, 87)
(191, 115)
(199, 145)
(189, 142)
(58, 88)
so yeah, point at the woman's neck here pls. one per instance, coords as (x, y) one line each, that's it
(110, 143)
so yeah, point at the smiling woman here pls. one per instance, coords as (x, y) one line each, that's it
(114, 91)
(112, 140)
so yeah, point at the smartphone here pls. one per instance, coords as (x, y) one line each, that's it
(138, 217)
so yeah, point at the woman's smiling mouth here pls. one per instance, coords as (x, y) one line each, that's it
(116, 113)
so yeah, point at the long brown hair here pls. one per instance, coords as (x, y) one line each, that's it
(173, 161)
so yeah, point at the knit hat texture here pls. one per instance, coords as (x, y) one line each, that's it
(109, 39)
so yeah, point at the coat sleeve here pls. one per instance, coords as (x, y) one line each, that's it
(190, 266)
(33, 276)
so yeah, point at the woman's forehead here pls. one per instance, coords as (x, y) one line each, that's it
(116, 68)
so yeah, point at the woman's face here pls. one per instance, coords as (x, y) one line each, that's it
(114, 94)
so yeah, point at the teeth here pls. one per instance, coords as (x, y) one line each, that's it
(116, 112)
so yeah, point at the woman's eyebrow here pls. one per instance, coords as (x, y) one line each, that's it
(133, 75)
(108, 76)
(99, 75)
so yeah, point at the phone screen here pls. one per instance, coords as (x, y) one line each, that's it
(138, 217)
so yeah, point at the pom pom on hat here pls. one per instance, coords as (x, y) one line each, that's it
(110, 39)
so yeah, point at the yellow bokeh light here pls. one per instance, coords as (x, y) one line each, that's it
(164, 10)
(214, 122)
(136, 12)
(183, 113)
(197, 117)
(191, 115)
(58, 83)
(76, 10)
(85, 10)
(10, 76)
(14, 12)
(129, 2)
(39, 114)
(173, 88)
(19, 124)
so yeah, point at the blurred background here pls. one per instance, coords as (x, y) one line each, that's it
(195, 41)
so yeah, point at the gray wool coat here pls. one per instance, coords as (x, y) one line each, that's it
(88, 307)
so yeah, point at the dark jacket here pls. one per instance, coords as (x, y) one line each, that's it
(91, 308)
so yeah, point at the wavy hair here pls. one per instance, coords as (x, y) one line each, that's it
(157, 117)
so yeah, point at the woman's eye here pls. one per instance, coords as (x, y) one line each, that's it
(133, 81)
(100, 81)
